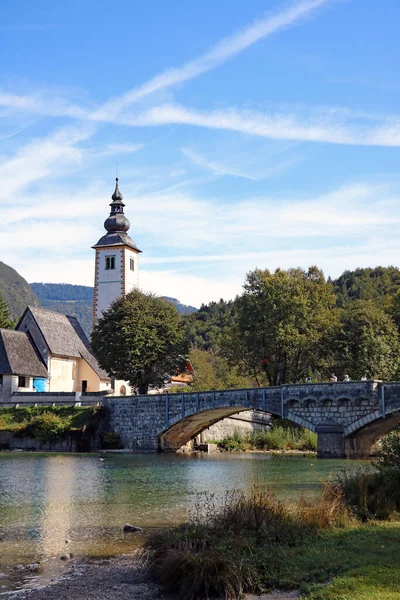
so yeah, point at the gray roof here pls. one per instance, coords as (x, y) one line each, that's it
(116, 238)
(65, 337)
(18, 355)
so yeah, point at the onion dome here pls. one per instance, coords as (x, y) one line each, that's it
(116, 224)
(117, 221)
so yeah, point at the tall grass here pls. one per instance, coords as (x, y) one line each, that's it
(237, 546)
(277, 438)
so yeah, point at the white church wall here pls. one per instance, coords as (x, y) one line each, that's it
(109, 284)
(131, 276)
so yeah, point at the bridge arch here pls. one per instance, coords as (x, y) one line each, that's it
(182, 430)
(362, 436)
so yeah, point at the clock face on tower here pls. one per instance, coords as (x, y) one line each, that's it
(117, 259)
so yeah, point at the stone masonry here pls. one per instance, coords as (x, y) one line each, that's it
(348, 417)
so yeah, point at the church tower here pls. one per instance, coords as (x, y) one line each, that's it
(117, 259)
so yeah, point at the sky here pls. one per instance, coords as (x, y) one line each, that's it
(258, 134)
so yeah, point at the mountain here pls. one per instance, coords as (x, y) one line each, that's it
(16, 291)
(77, 301)
(184, 309)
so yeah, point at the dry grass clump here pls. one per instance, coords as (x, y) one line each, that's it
(230, 547)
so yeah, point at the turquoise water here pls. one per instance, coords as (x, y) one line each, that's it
(46, 499)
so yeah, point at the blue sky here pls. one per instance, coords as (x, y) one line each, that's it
(248, 134)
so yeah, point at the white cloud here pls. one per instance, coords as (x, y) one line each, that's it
(39, 157)
(226, 49)
(215, 167)
(328, 128)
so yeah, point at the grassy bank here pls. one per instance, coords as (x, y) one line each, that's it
(48, 424)
(277, 438)
(343, 546)
(259, 543)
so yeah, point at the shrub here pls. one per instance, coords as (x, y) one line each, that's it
(371, 494)
(47, 427)
(277, 438)
(389, 454)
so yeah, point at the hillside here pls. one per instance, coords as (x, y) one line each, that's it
(16, 291)
(77, 301)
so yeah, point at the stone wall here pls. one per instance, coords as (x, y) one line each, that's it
(8, 441)
(245, 422)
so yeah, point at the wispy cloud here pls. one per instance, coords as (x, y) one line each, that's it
(330, 127)
(36, 159)
(226, 49)
(214, 167)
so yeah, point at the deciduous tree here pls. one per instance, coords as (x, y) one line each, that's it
(282, 318)
(141, 339)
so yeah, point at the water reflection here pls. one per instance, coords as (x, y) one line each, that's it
(47, 499)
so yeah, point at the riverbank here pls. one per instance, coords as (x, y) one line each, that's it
(352, 564)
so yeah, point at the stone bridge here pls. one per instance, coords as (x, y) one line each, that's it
(348, 417)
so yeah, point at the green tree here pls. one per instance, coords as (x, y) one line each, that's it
(379, 284)
(212, 372)
(141, 339)
(206, 327)
(366, 342)
(282, 319)
(6, 321)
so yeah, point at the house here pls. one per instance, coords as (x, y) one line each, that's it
(49, 352)
(20, 363)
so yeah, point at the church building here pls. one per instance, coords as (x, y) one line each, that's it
(117, 259)
(49, 351)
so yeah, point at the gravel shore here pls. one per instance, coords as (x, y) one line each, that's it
(120, 578)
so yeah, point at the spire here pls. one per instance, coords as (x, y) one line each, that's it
(117, 221)
(117, 196)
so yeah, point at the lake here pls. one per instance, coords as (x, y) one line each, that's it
(46, 499)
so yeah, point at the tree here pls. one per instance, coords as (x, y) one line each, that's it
(366, 342)
(212, 372)
(282, 318)
(206, 327)
(6, 320)
(141, 339)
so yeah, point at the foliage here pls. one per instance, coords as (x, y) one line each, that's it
(212, 372)
(282, 318)
(111, 441)
(239, 544)
(379, 284)
(6, 321)
(49, 423)
(140, 339)
(371, 494)
(389, 453)
(15, 291)
(277, 438)
(206, 327)
(366, 342)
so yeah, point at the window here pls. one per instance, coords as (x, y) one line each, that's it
(132, 262)
(110, 263)
(84, 386)
(1, 380)
(21, 381)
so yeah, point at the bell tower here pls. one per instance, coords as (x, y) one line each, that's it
(117, 259)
